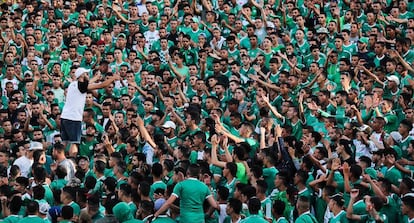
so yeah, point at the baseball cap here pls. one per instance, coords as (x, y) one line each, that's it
(100, 42)
(365, 128)
(363, 40)
(122, 35)
(81, 71)
(159, 203)
(195, 19)
(285, 33)
(394, 78)
(322, 30)
(169, 124)
(35, 146)
(44, 208)
(396, 136)
(55, 212)
(83, 158)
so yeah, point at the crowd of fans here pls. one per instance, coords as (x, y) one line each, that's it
(207, 111)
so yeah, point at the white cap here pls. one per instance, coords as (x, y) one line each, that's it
(36, 146)
(44, 207)
(394, 78)
(322, 30)
(396, 136)
(80, 71)
(169, 124)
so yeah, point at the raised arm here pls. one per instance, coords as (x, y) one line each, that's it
(103, 84)
(272, 108)
(175, 71)
(220, 129)
(350, 210)
(144, 132)
(214, 147)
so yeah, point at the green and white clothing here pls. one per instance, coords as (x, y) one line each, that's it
(266, 207)
(231, 186)
(369, 219)
(359, 208)
(392, 208)
(157, 185)
(192, 194)
(12, 219)
(339, 218)
(306, 217)
(32, 219)
(76, 208)
(254, 219)
(269, 175)
(393, 175)
(163, 219)
(282, 220)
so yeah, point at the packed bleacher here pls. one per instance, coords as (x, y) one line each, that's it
(193, 111)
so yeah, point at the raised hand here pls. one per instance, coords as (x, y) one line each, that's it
(215, 140)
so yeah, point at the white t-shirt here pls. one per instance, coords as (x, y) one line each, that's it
(223, 213)
(24, 165)
(75, 103)
(151, 38)
(5, 81)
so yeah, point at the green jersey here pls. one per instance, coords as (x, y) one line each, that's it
(306, 217)
(254, 219)
(369, 219)
(269, 175)
(393, 175)
(12, 219)
(392, 208)
(339, 218)
(76, 208)
(32, 219)
(157, 185)
(266, 207)
(163, 219)
(192, 194)
(282, 220)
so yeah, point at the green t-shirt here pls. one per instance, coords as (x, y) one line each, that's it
(254, 219)
(58, 184)
(392, 208)
(393, 175)
(164, 219)
(32, 219)
(86, 148)
(269, 175)
(282, 220)
(192, 194)
(241, 173)
(231, 186)
(155, 186)
(76, 208)
(359, 209)
(306, 217)
(12, 219)
(339, 218)
(369, 219)
(391, 122)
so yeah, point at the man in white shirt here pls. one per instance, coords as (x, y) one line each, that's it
(25, 162)
(72, 114)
